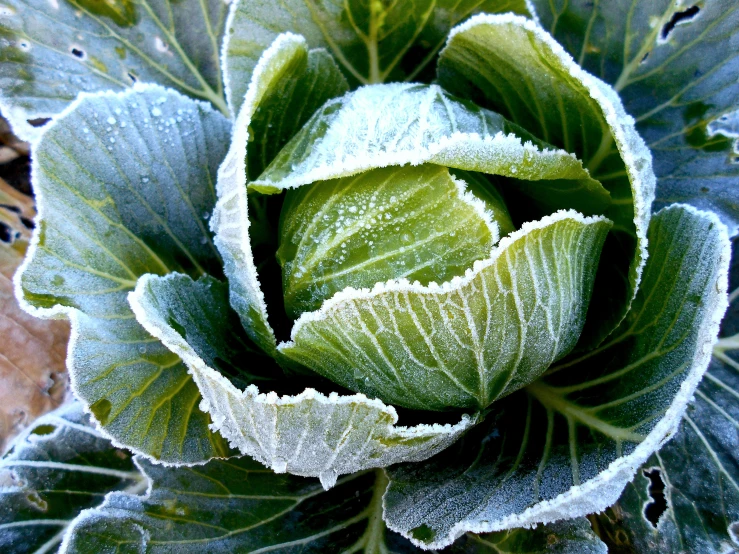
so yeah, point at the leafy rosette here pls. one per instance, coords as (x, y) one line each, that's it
(446, 227)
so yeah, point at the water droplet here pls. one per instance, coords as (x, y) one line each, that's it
(328, 478)
(111, 120)
(156, 112)
(407, 237)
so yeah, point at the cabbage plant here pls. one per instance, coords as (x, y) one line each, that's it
(409, 248)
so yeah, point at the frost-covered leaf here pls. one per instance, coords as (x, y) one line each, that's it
(308, 434)
(399, 124)
(564, 537)
(568, 444)
(287, 76)
(699, 468)
(408, 222)
(236, 505)
(674, 64)
(466, 342)
(51, 50)
(374, 41)
(124, 184)
(32, 351)
(58, 468)
(545, 92)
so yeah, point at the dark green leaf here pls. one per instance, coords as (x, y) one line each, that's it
(237, 505)
(564, 537)
(373, 40)
(674, 64)
(691, 501)
(57, 468)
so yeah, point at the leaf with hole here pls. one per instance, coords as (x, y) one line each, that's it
(52, 50)
(568, 444)
(686, 497)
(674, 65)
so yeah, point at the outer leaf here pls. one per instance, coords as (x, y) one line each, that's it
(124, 187)
(417, 223)
(236, 505)
(469, 341)
(678, 81)
(32, 351)
(52, 50)
(309, 434)
(399, 124)
(548, 94)
(373, 41)
(58, 468)
(699, 467)
(564, 537)
(286, 75)
(567, 445)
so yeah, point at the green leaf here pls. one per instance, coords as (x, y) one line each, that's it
(411, 222)
(57, 468)
(545, 92)
(287, 76)
(308, 434)
(466, 342)
(53, 50)
(567, 445)
(698, 468)
(674, 65)
(124, 183)
(236, 505)
(374, 41)
(564, 537)
(399, 124)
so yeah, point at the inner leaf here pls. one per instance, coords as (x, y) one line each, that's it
(410, 222)
(466, 342)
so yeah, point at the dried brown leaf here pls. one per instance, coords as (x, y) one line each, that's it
(32, 351)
